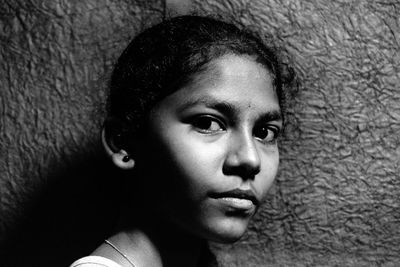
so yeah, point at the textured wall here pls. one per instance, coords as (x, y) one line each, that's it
(336, 201)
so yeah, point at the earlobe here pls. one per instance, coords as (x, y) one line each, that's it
(120, 158)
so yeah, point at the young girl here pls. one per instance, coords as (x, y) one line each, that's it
(194, 113)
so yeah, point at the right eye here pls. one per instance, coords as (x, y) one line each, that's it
(208, 124)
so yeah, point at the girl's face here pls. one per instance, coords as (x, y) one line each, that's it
(214, 152)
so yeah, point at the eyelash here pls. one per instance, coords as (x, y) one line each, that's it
(203, 124)
(268, 140)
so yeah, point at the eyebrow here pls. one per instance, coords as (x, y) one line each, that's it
(229, 109)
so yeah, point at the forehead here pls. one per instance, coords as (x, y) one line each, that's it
(235, 81)
(234, 78)
(240, 67)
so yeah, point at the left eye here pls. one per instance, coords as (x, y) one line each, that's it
(208, 124)
(266, 133)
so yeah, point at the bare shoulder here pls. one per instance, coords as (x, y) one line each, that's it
(94, 261)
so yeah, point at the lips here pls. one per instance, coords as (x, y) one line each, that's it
(238, 198)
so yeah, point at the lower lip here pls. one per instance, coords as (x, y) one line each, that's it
(238, 203)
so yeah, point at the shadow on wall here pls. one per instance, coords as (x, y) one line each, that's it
(71, 217)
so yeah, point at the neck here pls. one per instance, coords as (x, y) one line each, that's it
(160, 243)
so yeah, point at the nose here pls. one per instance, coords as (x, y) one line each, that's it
(243, 158)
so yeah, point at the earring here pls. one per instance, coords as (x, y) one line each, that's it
(126, 158)
(122, 160)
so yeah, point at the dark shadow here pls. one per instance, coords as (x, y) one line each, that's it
(72, 216)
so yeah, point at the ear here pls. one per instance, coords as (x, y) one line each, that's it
(119, 157)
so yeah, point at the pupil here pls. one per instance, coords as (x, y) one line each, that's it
(263, 132)
(204, 123)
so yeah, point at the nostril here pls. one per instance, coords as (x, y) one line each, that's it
(252, 170)
(246, 173)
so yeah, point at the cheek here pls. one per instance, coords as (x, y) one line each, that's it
(197, 161)
(186, 161)
(269, 169)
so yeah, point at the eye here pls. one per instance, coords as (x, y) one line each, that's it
(266, 133)
(208, 124)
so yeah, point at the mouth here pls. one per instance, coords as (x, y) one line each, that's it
(238, 199)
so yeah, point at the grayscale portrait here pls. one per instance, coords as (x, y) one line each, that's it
(199, 133)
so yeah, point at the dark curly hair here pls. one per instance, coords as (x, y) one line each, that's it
(166, 57)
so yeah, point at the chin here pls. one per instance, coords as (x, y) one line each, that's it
(228, 230)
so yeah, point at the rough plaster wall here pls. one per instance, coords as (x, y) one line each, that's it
(54, 60)
(337, 200)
